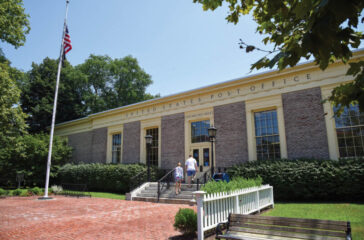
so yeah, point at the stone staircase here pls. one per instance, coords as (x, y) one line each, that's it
(149, 192)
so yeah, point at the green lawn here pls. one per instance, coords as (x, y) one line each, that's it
(93, 194)
(108, 195)
(328, 211)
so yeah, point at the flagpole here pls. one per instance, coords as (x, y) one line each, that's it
(55, 108)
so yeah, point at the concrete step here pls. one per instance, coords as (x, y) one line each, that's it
(165, 200)
(183, 187)
(168, 190)
(171, 195)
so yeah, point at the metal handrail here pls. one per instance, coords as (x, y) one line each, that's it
(136, 181)
(203, 179)
(164, 180)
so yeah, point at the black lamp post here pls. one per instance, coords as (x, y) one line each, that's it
(148, 140)
(212, 136)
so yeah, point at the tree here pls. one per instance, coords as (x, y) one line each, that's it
(14, 23)
(113, 83)
(12, 118)
(98, 84)
(38, 94)
(323, 29)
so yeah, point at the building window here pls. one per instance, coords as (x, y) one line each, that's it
(116, 148)
(152, 152)
(350, 132)
(267, 135)
(199, 131)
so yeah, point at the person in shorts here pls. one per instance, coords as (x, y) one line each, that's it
(178, 176)
(191, 168)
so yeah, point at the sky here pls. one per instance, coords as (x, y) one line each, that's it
(181, 46)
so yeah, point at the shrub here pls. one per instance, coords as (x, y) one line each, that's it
(17, 192)
(25, 194)
(308, 179)
(56, 189)
(185, 221)
(104, 177)
(29, 157)
(235, 184)
(35, 191)
(3, 192)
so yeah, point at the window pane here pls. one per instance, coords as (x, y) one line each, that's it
(349, 132)
(267, 135)
(152, 152)
(116, 148)
(199, 131)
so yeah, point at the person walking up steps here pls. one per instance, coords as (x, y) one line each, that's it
(178, 176)
(191, 168)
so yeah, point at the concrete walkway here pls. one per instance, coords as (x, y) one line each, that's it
(85, 218)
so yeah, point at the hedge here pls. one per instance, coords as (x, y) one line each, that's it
(104, 177)
(235, 184)
(307, 179)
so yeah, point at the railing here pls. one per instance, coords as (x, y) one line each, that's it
(202, 180)
(213, 209)
(165, 181)
(137, 180)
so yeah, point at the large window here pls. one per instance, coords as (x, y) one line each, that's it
(152, 152)
(116, 148)
(199, 131)
(267, 135)
(350, 132)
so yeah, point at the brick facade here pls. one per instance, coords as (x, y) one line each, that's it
(131, 142)
(231, 136)
(89, 147)
(173, 140)
(304, 119)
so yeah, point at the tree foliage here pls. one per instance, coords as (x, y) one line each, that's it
(14, 23)
(38, 94)
(323, 29)
(98, 84)
(12, 118)
(30, 158)
(113, 83)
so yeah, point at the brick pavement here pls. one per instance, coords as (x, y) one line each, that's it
(85, 218)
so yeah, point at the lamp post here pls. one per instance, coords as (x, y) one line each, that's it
(148, 140)
(212, 136)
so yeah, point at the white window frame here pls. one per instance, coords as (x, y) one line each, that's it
(259, 105)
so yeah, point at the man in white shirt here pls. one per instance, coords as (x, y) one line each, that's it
(191, 168)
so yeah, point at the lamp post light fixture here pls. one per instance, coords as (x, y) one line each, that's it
(148, 140)
(212, 137)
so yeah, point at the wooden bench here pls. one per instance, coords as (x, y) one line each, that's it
(252, 227)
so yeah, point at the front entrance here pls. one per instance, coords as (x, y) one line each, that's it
(202, 156)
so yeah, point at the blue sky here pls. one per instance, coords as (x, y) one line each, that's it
(181, 46)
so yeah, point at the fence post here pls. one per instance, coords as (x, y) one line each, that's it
(236, 205)
(199, 199)
(271, 196)
(258, 201)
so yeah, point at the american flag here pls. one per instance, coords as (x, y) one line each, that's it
(66, 42)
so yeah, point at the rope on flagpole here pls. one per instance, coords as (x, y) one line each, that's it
(55, 109)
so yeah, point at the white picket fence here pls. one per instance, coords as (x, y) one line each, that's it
(213, 209)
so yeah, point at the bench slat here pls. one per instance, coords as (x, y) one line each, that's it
(284, 222)
(281, 234)
(287, 229)
(240, 237)
(298, 220)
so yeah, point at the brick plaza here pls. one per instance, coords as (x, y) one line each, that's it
(85, 218)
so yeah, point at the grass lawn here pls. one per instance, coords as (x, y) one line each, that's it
(93, 194)
(326, 211)
(108, 195)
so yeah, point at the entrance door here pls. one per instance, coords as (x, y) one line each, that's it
(202, 156)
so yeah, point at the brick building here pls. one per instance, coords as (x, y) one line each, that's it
(277, 114)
